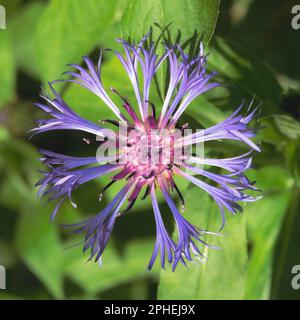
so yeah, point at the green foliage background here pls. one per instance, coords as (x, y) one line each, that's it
(253, 48)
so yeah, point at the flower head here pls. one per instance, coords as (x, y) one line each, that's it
(147, 150)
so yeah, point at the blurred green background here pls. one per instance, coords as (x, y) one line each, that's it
(254, 49)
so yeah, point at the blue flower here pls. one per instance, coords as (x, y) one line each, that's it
(148, 152)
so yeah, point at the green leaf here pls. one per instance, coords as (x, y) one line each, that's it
(184, 20)
(270, 133)
(39, 247)
(284, 133)
(18, 169)
(22, 29)
(286, 254)
(11, 7)
(108, 38)
(264, 219)
(185, 16)
(205, 112)
(291, 153)
(36, 240)
(223, 275)
(4, 135)
(68, 30)
(7, 67)
(116, 268)
(7, 254)
(287, 126)
(236, 66)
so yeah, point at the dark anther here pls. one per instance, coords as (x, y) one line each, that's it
(185, 126)
(124, 99)
(153, 108)
(128, 208)
(150, 175)
(169, 166)
(180, 196)
(114, 122)
(160, 154)
(105, 188)
(147, 192)
(131, 175)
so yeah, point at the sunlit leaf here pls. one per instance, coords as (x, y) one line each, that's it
(287, 126)
(185, 17)
(184, 20)
(22, 29)
(39, 247)
(286, 254)
(18, 167)
(264, 219)
(204, 112)
(69, 29)
(116, 268)
(223, 275)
